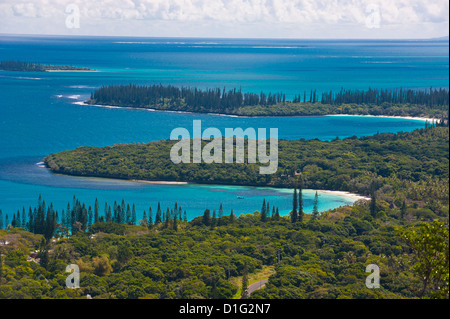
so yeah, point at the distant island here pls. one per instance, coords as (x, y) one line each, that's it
(21, 66)
(430, 103)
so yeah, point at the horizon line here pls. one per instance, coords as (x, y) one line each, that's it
(443, 38)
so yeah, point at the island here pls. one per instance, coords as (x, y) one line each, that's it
(349, 164)
(21, 66)
(430, 103)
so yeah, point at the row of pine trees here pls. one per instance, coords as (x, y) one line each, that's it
(430, 98)
(214, 99)
(297, 212)
(221, 99)
(266, 214)
(77, 217)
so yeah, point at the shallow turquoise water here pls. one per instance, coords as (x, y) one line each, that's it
(38, 115)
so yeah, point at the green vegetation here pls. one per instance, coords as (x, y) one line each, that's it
(37, 67)
(430, 103)
(264, 273)
(403, 229)
(418, 158)
(323, 257)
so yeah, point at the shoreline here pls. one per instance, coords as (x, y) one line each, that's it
(353, 196)
(429, 119)
(157, 182)
(349, 195)
(71, 71)
(424, 119)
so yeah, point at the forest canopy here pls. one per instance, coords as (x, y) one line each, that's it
(344, 165)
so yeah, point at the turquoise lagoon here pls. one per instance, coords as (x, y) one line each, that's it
(42, 113)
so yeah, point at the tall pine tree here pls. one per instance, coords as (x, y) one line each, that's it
(294, 207)
(264, 211)
(150, 216)
(300, 201)
(315, 212)
(206, 218)
(232, 217)
(128, 214)
(175, 223)
(158, 214)
(1, 219)
(96, 218)
(90, 217)
(133, 215)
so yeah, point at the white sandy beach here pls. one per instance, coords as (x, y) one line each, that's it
(352, 196)
(349, 195)
(106, 106)
(392, 117)
(159, 182)
(72, 71)
(245, 116)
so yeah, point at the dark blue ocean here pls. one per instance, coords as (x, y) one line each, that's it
(42, 113)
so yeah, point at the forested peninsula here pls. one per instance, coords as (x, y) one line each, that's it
(433, 103)
(21, 66)
(347, 165)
